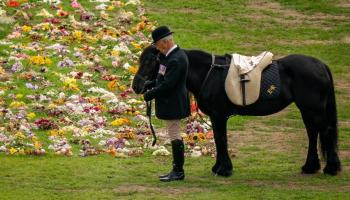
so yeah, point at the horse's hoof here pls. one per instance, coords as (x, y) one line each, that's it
(310, 169)
(332, 169)
(215, 168)
(224, 173)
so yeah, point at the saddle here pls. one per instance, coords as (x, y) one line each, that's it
(243, 79)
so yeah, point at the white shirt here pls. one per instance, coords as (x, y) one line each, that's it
(170, 50)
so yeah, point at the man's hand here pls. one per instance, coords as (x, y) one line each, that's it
(148, 96)
(149, 84)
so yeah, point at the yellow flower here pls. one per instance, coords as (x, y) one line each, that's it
(48, 61)
(45, 26)
(21, 152)
(26, 29)
(20, 135)
(56, 132)
(51, 106)
(17, 104)
(19, 96)
(110, 8)
(37, 145)
(91, 39)
(112, 84)
(31, 115)
(78, 35)
(2, 71)
(115, 53)
(34, 138)
(70, 84)
(122, 88)
(128, 135)
(120, 122)
(133, 69)
(201, 137)
(103, 108)
(40, 60)
(136, 45)
(13, 151)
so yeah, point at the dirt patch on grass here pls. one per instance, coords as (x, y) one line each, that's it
(305, 42)
(286, 16)
(346, 39)
(169, 191)
(300, 186)
(267, 138)
(344, 4)
(343, 85)
(188, 10)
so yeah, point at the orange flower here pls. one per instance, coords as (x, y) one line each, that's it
(112, 84)
(13, 3)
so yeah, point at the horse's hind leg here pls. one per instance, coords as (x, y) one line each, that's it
(223, 165)
(311, 121)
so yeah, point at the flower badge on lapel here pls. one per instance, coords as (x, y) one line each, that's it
(162, 69)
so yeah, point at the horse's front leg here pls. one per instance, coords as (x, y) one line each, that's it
(223, 165)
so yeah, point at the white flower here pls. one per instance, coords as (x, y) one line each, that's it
(62, 95)
(44, 13)
(122, 47)
(133, 2)
(162, 151)
(105, 94)
(141, 118)
(101, 7)
(196, 154)
(100, 1)
(126, 66)
(52, 92)
(3, 148)
(88, 83)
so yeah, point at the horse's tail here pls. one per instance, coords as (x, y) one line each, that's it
(329, 138)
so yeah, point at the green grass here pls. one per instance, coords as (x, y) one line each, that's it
(269, 151)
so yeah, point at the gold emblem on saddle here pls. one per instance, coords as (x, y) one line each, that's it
(271, 89)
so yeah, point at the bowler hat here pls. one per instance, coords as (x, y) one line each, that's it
(160, 32)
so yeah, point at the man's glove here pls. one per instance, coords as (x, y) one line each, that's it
(148, 96)
(149, 84)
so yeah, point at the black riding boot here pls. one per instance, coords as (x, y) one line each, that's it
(178, 161)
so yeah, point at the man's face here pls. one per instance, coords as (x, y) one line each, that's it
(161, 45)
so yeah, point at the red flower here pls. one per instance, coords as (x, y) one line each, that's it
(13, 3)
(194, 107)
(45, 124)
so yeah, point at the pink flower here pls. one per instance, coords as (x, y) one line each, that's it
(75, 4)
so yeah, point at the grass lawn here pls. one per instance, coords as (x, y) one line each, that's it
(267, 151)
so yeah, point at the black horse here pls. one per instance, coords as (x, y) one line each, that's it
(304, 80)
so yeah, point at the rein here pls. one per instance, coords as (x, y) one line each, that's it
(212, 66)
(149, 108)
(149, 114)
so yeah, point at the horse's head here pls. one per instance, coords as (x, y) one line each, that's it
(148, 68)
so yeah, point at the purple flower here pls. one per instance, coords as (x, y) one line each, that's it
(17, 67)
(65, 63)
(31, 86)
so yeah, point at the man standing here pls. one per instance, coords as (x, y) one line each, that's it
(172, 100)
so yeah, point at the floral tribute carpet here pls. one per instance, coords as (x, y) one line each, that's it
(65, 74)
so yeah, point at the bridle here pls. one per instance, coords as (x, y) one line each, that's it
(149, 103)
